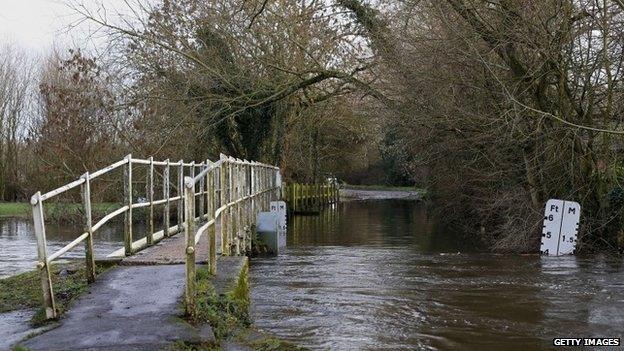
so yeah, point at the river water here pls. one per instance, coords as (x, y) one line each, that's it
(18, 246)
(376, 275)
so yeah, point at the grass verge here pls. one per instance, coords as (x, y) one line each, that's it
(23, 291)
(56, 212)
(228, 315)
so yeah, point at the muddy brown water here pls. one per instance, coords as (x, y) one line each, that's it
(18, 246)
(376, 275)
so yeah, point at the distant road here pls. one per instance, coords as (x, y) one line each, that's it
(365, 194)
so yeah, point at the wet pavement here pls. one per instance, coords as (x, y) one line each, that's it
(127, 308)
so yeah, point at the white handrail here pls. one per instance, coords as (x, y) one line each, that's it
(109, 216)
(67, 247)
(236, 179)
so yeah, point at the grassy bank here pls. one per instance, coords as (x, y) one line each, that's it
(56, 211)
(23, 291)
(228, 315)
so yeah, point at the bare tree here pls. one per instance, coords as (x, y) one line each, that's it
(16, 92)
(233, 69)
(509, 103)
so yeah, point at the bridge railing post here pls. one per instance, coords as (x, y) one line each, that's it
(88, 224)
(212, 240)
(189, 205)
(166, 196)
(224, 184)
(250, 208)
(128, 202)
(150, 198)
(237, 208)
(234, 218)
(180, 195)
(231, 211)
(42, 253)
(202, 194)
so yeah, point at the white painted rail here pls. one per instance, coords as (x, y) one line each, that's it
(229, 190)
(245, 188)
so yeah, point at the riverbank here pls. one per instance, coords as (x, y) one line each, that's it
(21, 311)
(223, 303)
(366, 192)
(55, 211)
(23, 291)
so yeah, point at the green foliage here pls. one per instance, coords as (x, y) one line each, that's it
(226, 313)
(395, 159)
(56, 212)
(14, 209)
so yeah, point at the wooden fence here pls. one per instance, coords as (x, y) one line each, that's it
(218, 187)
(310, 198)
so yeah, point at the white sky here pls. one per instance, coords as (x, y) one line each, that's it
(37, 25)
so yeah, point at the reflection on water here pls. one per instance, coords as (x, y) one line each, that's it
(373, 275)
(18, 246)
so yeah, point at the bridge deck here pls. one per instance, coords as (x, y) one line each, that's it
(171, 251)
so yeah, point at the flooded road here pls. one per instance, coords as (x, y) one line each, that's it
(372, 275)
(18, 246)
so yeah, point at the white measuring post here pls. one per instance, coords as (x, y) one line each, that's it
(561, 221)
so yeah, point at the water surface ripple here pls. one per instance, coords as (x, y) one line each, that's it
(376, 276)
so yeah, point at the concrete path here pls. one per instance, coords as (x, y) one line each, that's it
(127, 308)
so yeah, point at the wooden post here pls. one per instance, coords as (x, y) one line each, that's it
(42, 253)
(192, 175)
(247, 207)
(150, 198)
(224, 200)
(202, 195)
(242, 208)
(307, 197)
(189, 205)
(302, 197)
(181, 195)
(250, 213)
(128, 202)
(326, 194)
(230, 217)
(210, 192)
(212, 240)
(293, 190)
(252, 191)
(317, 196)
(337, 193)
(236, 225)
(166, 214)
(86, 206)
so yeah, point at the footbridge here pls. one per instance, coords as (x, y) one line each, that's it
(215, 203)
